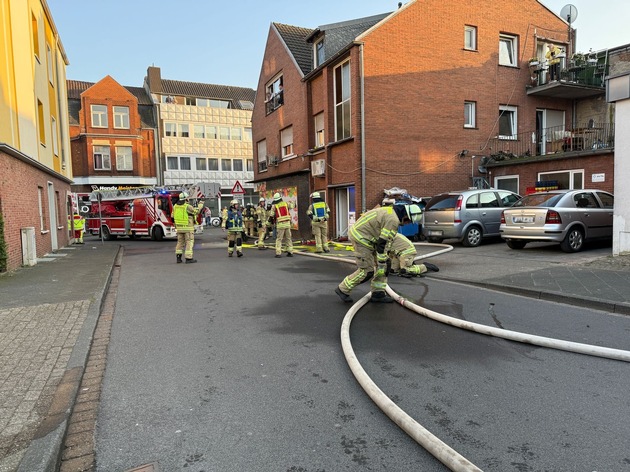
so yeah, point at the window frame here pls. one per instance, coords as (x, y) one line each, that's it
(319, 52)
(513, 111)
(470, 114)
(342, 101)
(170, 129)
(55, 138)
(213, 164)
(124, 157)
(286, 142)
(261, 152)
(237, 163)
(512, 50)
(470, 38)
(226, 165)
(274, 93)
(121, 113)
(99, 118)
(105, 157)
(320, 135)
(185, 163)
(203, 161)
(170, 160)
(197, 134)
(183, 130)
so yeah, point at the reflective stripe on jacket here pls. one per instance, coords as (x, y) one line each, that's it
(182, 216)
(234, 221)
(319, 210)
(282, 212)
(377, 223)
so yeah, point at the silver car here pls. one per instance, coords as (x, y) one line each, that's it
(466, 215)
(568, 217)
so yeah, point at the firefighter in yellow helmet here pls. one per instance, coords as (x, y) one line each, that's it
(262, 217)
(319, 213)
(233, 223)
(371, 237)
(402, 254)
(282, 218)
(184, 215)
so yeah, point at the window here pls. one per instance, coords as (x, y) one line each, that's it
(237, 165)
(170, 129)
(184, 163)
(262, 155)
(318, 52)
(250, 165)
(203, 102)
(101, 158)
(172, 163)
(219, 104)
(286, 141)
(274, 94)
(224, 132)
(49, 63)
(199, 131)
(470, 115)
(40, 122)
(507, 122)
(121, 117)
(190, 101)
(507, 182)
(247, 135)
(40, 201)
(319, 130)
(201, 163)
(570, 179)
(35, 33)
(607, 200)
(470, 37)
(183, 130)
(124, 158)
(236, 134)
(99, 116)
(342, 101)
(55, 139)
(213, 163)
(211, 132)
(226, 164)
(507, 50)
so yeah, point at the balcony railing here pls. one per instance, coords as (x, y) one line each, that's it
(557, 139)
(275, 101)
(587, 73)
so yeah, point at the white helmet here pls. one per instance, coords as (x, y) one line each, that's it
(234, 202)
(315, 195)
(261, 200)
(184, 196)
(277, 198)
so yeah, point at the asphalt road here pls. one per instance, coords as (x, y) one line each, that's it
(235, 364)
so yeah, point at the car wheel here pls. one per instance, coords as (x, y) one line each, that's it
(216, 222)
(158, 233)
(435, 240)
(515, 244)
(573, 241)
(472, 237)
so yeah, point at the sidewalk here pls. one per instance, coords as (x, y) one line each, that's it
(48, 314)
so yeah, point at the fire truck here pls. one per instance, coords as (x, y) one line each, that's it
(141, 211)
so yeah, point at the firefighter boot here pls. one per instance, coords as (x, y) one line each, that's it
(239, 254)
(381, 297)
(191, 261)
(179, 258)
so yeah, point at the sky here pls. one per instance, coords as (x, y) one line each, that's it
(222, 42)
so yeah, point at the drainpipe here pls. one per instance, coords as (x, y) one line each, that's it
(363, 199)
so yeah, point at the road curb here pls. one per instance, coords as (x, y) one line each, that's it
(44, 451)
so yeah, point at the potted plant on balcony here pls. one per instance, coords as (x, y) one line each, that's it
(534, 62)
(578, 59)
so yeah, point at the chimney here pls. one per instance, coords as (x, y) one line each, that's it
(154, 79)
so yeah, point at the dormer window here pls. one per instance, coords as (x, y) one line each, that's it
(318, 52)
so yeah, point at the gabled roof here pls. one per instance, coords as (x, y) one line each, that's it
(337, 37)
(77, 87)
(295, 38)
(240, 97)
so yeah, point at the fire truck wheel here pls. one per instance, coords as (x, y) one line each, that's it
(106, 233)
(158, 233)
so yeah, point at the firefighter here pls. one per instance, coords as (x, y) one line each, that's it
(262, 217)
(78, 225)
(233, 223)
(282, 218)
(402, 254)
(371, 237)
(319, 213)
(248, 219)
(184, 215)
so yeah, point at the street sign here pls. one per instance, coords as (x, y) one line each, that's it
(238, 189)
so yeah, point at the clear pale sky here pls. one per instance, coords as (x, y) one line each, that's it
(222, 42)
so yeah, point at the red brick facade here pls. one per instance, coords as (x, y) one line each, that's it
(20, 204)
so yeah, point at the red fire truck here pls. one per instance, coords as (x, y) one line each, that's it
(142, 211)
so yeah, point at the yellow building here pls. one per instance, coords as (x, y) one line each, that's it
(35, 161)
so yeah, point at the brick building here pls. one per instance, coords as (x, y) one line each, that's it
(419, 98)
(112, 133)
(35, 166)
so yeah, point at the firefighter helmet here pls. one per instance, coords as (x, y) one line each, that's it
(315, 195)
(414, 213)
(261, 200)
(184, 196)
(277, 198)
(234, 202)
(387, 201)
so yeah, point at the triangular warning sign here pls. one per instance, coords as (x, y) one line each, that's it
(238, 188)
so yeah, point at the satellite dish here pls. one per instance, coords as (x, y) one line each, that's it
(482, 169)
(569, 13)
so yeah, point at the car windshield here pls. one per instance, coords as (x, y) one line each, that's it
(539, 200)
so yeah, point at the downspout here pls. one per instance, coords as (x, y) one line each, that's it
(362, 93)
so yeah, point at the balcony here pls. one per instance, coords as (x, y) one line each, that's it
(576, 79)
(556, 140)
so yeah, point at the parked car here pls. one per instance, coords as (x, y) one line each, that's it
(466, 215)
(568, 217)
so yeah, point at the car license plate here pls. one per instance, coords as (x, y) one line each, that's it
(522, 219)
(435, 233)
